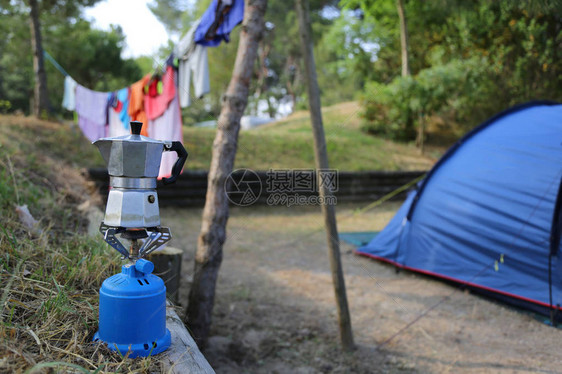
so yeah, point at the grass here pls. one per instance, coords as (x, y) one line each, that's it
(49, 279)
(288, 143)
(40, 139)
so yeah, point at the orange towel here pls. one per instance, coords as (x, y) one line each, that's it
(136, 103)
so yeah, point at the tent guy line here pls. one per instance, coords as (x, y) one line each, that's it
(424, 313)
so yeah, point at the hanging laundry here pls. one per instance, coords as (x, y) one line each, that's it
(111, 104)
(123, 106)
(156, 105)
(172, 61)
(136, 103)
(91, 107)
(218, 21)
(154, 86)
(112, 100)
(114, 125)
(167, 127)
(69, 98)
(193, 64)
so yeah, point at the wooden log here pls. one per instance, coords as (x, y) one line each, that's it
(183, 356)
(167, 265)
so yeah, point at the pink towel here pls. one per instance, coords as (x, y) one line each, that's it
(155, 106)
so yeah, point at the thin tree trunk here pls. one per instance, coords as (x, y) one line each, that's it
(321, 156)
(41, 100)
(208, 257)
(403, 38)
(421, 133)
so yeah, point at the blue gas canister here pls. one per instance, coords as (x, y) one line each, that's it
(132, 314)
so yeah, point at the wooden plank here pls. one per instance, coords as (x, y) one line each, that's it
(183, 356)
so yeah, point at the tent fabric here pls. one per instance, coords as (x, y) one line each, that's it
(357, 238)
(485, 215)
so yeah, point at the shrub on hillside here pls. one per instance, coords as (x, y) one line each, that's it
(461, 89)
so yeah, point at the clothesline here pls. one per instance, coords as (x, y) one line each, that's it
(210, 30)
(155, 100)
(55, 63)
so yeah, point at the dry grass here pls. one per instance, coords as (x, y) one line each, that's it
(50, 280)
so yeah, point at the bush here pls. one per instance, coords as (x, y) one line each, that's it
(461, 89)
(387, 109)
(5, 106)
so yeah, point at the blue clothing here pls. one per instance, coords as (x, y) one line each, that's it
(123, 97)
(211, 31)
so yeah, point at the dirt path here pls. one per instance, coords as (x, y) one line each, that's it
(275, 306)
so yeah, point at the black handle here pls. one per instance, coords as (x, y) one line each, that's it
(182, 156)
(136, 127)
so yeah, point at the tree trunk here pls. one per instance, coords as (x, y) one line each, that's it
(421, 134)
(325, 194)
(41, 100)
(403, 38)
(208, 257)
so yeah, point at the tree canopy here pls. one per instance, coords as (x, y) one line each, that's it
(468, 59)
(91, 56)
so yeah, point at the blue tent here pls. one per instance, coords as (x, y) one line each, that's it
(488, 214)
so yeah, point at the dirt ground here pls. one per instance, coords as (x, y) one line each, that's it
(275, 309)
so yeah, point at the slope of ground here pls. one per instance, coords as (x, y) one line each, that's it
(50, 272)
(283, 144)
(288, 144)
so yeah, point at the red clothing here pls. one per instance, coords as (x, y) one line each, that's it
(119, 107)
(155, 106)
(152, 88)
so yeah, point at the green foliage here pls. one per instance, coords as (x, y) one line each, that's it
(456, 90)
(345, 54)
(469, 60)
(387, 109)
(5, 106)
(92, 57)
(283, 61)
(16, 65)
(175, 15)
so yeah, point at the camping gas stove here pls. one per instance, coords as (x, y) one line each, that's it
(132, 311)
